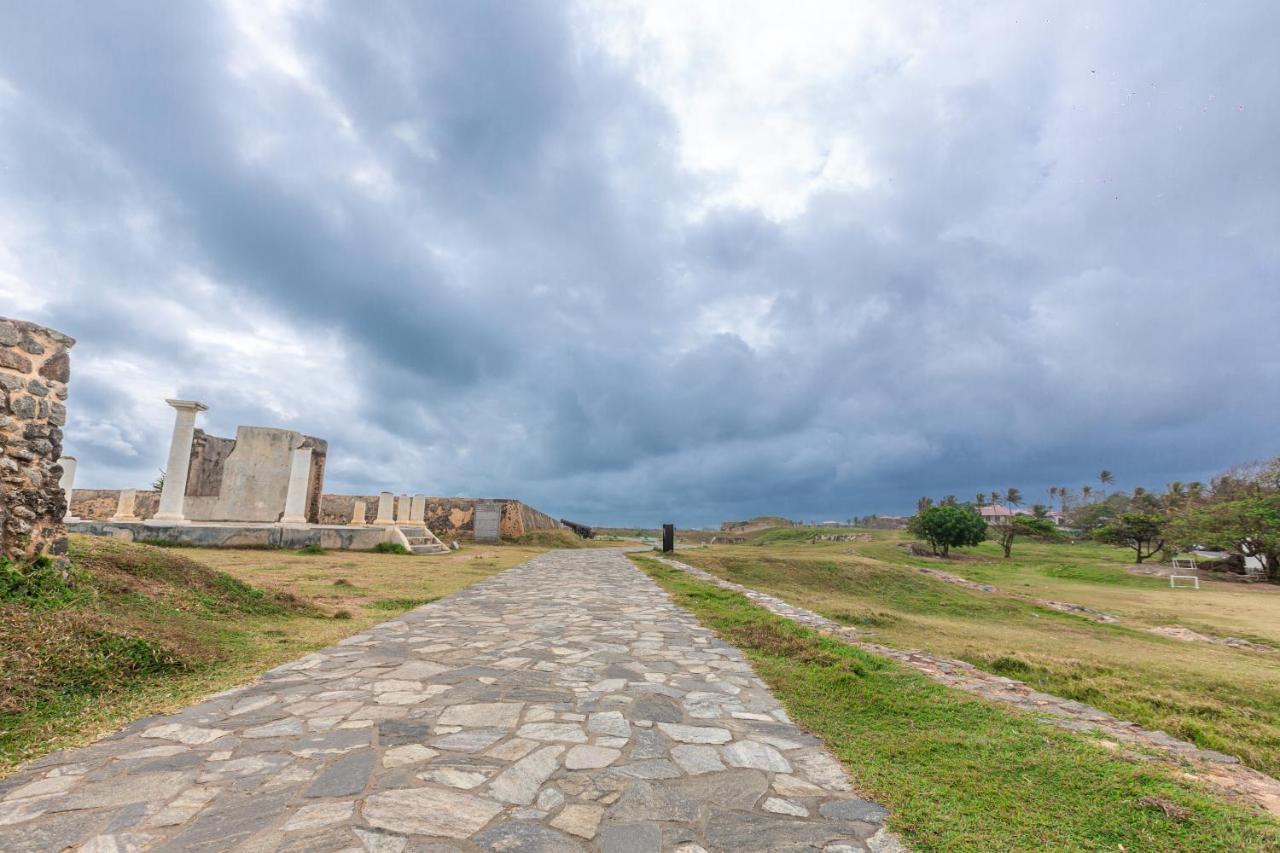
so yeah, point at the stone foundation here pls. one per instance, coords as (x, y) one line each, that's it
(34, 371)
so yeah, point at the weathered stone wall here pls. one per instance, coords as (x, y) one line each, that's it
(452, 518)
(100, 504)
(247, 478)
(520, 518)
(34, 371)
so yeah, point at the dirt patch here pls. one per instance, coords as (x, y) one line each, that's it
(1187, 635)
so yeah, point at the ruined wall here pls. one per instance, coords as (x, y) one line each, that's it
(100, 504)
(446, 517)
(247, 479)
(34, 371)
(208, 458)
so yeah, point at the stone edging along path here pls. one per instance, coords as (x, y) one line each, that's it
(1222, 771)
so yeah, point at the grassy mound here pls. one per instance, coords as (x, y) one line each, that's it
(550, 539)
(122, 615)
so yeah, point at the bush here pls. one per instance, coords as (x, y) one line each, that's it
(945, 527)
(310, 550)
(391, 548)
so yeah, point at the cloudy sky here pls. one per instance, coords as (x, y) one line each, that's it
(662, 261)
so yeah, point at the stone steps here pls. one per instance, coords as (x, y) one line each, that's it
(421, 540)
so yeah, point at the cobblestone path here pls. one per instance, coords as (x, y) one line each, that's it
(563, 705)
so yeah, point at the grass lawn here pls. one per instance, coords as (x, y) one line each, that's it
(958, 773)
(144, 630)
(1218, 697)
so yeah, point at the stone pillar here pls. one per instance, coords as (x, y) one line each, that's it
(402, 510)
(124, 506)
(357, 513)
(175, 475)
(386, 508)
(418, 509)
(34, 371)
(68, 484)
(295, 499)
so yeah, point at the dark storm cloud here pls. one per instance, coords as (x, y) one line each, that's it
(459, 241)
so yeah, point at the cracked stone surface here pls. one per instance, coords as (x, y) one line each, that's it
(566, 704)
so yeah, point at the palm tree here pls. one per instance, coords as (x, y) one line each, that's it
(1106, 478)
(1012, 496)
(1086, 492)
(1195, 490)
(995, 497)
(982, 499)
(1063, 493)
(923, 504)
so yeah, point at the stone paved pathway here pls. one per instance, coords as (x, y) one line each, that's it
(564, 705)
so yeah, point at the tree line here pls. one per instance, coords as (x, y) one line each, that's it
(1237, 512)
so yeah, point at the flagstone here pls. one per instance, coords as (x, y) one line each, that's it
(563, 705)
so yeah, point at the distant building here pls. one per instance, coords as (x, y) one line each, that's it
(994, 513)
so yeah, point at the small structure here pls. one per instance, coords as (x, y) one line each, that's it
(1185, 569)
(488, 522)
(668, 538)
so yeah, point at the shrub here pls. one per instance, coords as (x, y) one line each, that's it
(391, 548)
(945, 527)
(309, 550)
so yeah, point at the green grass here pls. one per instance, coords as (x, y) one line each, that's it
(955, 772)
(775, 535)
(1214, 696)
(399, 605)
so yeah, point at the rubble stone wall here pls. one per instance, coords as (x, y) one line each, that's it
(100, 504)
(34, 371)
(446, 517)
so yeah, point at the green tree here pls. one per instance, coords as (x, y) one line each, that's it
(1247, 527)
(1012, 496)
(947, 527)
(1106, 478)
(1144, 532)
(1004, 529)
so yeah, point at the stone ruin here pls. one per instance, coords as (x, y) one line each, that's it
(34, 371)
(262, 475)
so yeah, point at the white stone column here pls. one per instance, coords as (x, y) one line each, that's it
(174, 492)
(68, 483)
(402, 510)
(124, 507)
(295, 500)
(418, 509)
(357, 513)
(386, 508)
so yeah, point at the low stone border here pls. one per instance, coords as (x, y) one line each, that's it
(1222, 771)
